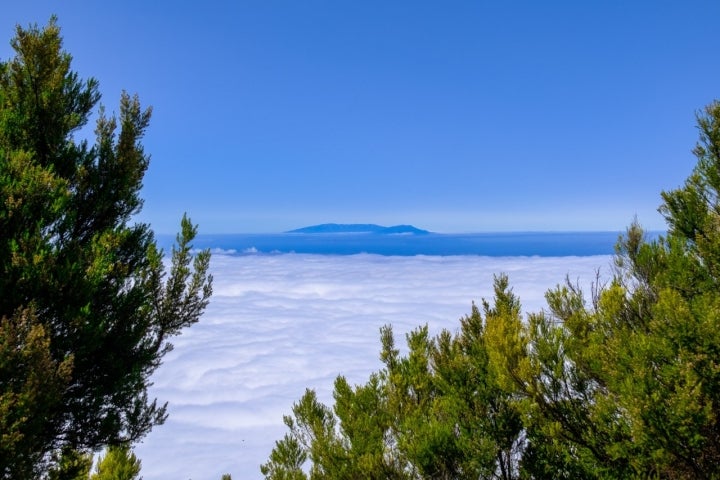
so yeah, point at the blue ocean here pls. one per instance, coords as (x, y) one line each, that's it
(543, 244)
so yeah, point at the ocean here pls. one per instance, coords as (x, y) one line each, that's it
(522, 244)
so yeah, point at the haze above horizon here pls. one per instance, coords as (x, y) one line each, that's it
(462, 117)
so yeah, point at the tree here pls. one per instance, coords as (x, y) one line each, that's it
(118, 463)
(71, 465)
(435, 413)
(86, 306)
(630, 385)
(32, 384)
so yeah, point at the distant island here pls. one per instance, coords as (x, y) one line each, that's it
(361, 228)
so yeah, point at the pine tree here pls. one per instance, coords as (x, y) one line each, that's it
(630, 384)
(86, 307)
(435, 413)
(118, 463)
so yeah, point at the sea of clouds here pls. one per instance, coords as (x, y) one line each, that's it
(278, 324)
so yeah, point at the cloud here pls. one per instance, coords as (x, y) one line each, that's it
(278, 324)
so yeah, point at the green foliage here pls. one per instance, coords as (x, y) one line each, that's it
(86, 307)
(435, 413)
(629, 386)
(71, 465)
(118, 463)
(32, 385)
(286, 460)
(623, 384)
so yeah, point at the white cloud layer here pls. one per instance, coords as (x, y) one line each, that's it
(278, 324)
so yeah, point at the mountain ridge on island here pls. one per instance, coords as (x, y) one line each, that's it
(361, 228)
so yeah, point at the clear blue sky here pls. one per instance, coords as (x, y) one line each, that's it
(455, 116)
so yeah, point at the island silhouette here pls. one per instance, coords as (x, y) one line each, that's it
(361, 228)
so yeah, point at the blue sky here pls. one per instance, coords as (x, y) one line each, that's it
(461, 116)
